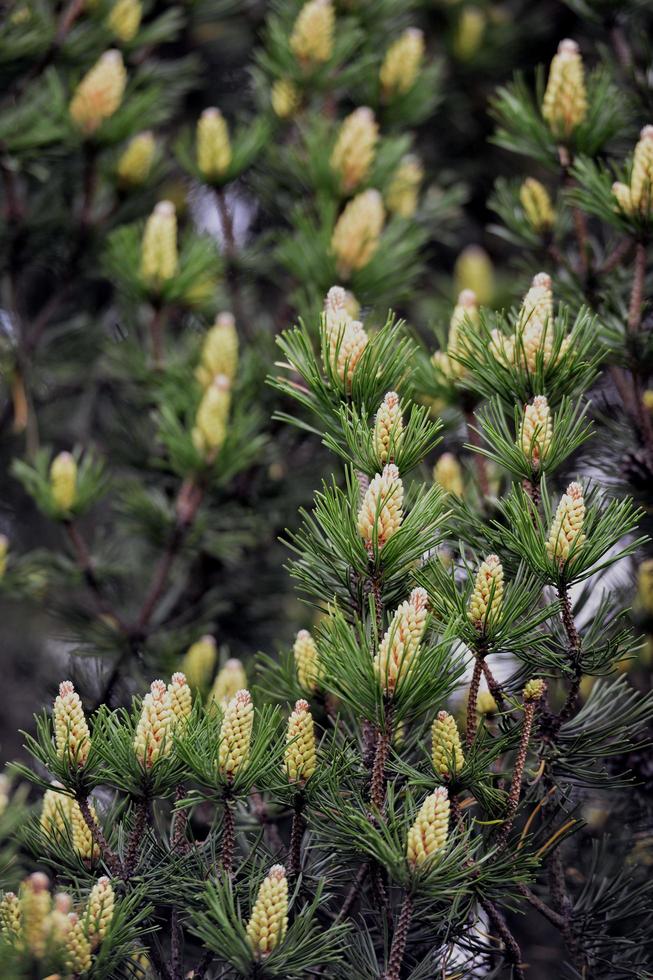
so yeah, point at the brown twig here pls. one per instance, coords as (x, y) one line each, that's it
(383, 742)
(512, 951)
(620, 253)
(228, 835)
(518, 770)
(109, 857)
(176, 962)
(353, 892)
(472, 698)
(553, 917)
(178, 841)
(399, 939)
(136, 837)
(573, 637)
(297, 834)
(493, 685)
(637, 290)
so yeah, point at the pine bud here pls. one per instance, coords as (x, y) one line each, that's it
(502, 347)
(199, 662)
(219, 351)
(565, 99)
(181, 699)
(307, 661)
(55, 813)
(485, 703)
(641, 181)
(299, 757)
(269, 919)
(63, 481)
(567, 528)
(388, 428)
(346, 337)
(125, 19)
(469, 33)
(623, 196)
(311, 40)
(535, 201)
(402, 194)
(35, 907)
(536, 431)
(428, 835)
(236, 734)
(10, 919)
(357, 233)
(210, 429)
(71, 732)
(446, 748)
(99, 93)
(465, 313)
(4, 551)
(82, 838)
(229, 680)
(136, 162)
(381, 512)
(159, 246)
(448, 474)
(60, 922)
(78, 947)
(535, 323)
(355, 146)
(100, 909)
(473, 270)
(485, 601)
(285, 98)
(402, 63)
(534, 690)
(213, 145)
(152, 738)
(400, 644)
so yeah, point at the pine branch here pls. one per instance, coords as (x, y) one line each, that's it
(109, 857)
(400, 939)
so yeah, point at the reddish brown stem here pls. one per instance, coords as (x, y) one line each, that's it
(297, 834)
(616, 258)
(399, 940)
(228, 836)
(493, 685)
(512, 951)
(353, 892)
(109, 857)
(176, 960)
(470, 729)
(518, 771)
(178, 841)
(637, 290)
(383, 742)
(136, 837)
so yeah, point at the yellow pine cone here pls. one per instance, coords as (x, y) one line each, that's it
(446, 748)
(400, 644)
(99, 93)
(355, 146)
(10, 919)
(181, 699)
(536, 431)
(152, 739)
(356, 236)
(125, 19)
(487, 597)
(101, 902)
(299, 757)
(307, 662)
(269, 919)
(565, 99)
(136, 162)
(402, 194)
(210, 429)
(35, 908)
(285, 98)
(535, 330)
(623, 196)
(567, 528)
(159, 247)
(229, 680)
(71, 732)
(402, 63)
(4, 551)
(381, 512)
(469, 32)
(236, 734)
(346, 337)
(213, 144)
(63, 481)
(534, 690)
(55, 812)
(83, 843)
(388, 428)
(535, 201)
(428, 835)
(473, 270)
(311, 40)
(641, 180)
(59, 920)
(448, 474)
(219, 351)
(502, 347)
(465, 314)
(199, 661)
(78, 947)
